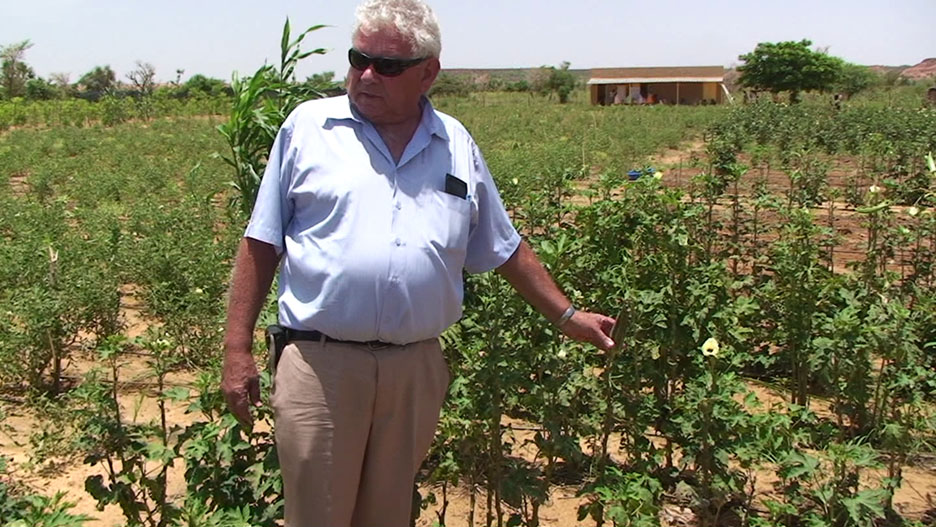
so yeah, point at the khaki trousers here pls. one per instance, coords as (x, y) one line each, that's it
(353, 424)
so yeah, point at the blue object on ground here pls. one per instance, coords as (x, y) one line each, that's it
(633, 175)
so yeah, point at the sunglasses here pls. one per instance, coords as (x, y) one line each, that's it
(382, 65)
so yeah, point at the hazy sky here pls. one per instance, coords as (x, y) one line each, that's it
(216, 38)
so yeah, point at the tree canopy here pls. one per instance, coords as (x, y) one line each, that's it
(143, 78)
(14, 72)
(98, 82)
(855, 78)
(549, 79)
(789, 66)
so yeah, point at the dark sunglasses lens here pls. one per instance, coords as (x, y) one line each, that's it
(358, 60)
(390, 67)
(383, 66)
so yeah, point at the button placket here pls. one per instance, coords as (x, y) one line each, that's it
(388, 296)
(391, 288)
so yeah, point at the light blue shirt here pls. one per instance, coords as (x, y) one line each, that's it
(374, 249)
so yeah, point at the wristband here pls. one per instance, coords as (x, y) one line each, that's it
(566, 315)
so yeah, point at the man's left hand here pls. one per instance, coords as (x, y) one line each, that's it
(594, 328)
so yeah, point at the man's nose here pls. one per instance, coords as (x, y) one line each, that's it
(369, 73)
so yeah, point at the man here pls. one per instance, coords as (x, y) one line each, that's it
(374, 203)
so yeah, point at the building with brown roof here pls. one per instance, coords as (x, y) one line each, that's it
(669, 85)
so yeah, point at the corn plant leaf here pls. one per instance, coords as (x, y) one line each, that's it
(318, 51)
(306, 32)
(284, 41)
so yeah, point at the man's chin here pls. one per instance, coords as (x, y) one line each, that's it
(364, 100)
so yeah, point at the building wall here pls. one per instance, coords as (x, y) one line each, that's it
(677, 93)
(689, 93)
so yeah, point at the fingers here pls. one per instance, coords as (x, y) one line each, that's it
(607, 324)
(253, 390)
(593, 328)
(602, 340)
(240, 385)
(237, 404)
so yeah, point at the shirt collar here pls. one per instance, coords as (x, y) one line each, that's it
(430, 120)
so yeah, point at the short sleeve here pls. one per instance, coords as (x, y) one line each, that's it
(492, 238)
(273, 209)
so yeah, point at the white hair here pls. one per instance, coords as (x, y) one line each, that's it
(413, 20)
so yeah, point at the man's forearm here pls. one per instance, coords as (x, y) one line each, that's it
(254, 268)
(527, 275)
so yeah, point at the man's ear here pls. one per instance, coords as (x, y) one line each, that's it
(430, 72)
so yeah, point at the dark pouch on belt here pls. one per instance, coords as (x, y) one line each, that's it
(276, 341)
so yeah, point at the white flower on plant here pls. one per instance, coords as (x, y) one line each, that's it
(874, 189)
(658, 175)
(913, 211)
(562, 354)
(199, 290)
(515, 181)
(710, 347)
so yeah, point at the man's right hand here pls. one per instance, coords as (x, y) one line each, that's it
(254, 268)
(240, 384)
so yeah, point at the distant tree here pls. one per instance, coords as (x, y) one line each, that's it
(547, 80)
(200, 84)
(62, 82)
(324, 82)
(561, 82)
(60, 79)
(854, 79)
(143, 78)
(519, 86)
(447, 84)
(98, 82)
(789, 66)
(894, 77)
(538, 80)
(39, 89)
(14, 72)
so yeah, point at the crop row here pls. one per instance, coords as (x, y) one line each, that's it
(711, 289)
(108, 111)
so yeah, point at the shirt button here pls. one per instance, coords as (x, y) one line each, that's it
(398, 242)
(399, 206)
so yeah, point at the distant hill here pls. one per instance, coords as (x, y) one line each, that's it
(887, 70)
(482, 76)
(923, 70)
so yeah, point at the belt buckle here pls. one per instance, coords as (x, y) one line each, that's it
(376, 344)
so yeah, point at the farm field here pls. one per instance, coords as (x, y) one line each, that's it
(774, 276)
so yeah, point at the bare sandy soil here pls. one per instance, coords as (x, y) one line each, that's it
(914, 499)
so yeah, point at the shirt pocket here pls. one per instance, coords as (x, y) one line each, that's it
(450, 222)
